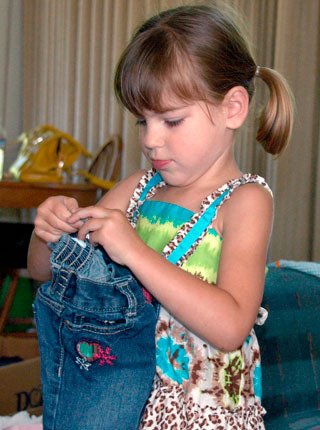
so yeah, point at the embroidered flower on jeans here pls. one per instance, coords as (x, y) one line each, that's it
(83, 364)
(92, 351)
(172, 359)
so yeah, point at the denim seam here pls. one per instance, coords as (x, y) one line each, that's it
(58, 253)
(60, 370)
(51, 303)
(98, 330)
(108, 310)
(132, 301)
(64, 275)
(71, 251)
(123, 279)
(87, 257)
(67, 257)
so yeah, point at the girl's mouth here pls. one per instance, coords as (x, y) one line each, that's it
(160, 164)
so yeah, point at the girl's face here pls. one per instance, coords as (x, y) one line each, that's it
(188, 143)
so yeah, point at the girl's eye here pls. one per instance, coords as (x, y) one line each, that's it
(141, 122)
(173, 122)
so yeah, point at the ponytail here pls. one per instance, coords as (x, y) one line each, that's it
(276, 119)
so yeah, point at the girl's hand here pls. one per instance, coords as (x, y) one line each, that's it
(51, 221)
(108, 228)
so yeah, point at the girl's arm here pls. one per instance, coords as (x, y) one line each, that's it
(118, 197)
(38, 259)
(223, 314)
(52, 221)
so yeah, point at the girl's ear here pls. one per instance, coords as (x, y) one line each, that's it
(236, 105)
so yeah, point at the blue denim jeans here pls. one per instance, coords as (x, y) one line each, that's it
(96, 334)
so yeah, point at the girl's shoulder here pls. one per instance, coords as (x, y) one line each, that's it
(250, 201)
(250, 204)
(246, 190)
(251, 193)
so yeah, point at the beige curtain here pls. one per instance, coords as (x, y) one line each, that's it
(297, 54)
(71, 48)
(10, 71)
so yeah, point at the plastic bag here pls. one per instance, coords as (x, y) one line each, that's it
(46, 155)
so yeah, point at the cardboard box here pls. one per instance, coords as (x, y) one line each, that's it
(20, 382)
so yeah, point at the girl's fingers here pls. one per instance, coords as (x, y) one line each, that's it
(71, 204)
(48, 236)
(51, 221)
(88, 212)
(55, 226)
(77, 225)
(44, 229)
(90, 226)
(85, 230)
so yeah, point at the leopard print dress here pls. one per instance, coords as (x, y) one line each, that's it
(196, 386)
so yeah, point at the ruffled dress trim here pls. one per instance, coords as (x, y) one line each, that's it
(168, 408)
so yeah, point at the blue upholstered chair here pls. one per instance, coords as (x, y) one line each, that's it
(290, 348)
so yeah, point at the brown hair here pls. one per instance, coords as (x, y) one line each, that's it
(198, 53)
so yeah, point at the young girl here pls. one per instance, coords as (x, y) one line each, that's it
(194, 229)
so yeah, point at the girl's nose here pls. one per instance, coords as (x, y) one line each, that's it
(152, 139)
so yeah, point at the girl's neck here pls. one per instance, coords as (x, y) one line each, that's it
(191, 195)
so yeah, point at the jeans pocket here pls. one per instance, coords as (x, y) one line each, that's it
(93, 324)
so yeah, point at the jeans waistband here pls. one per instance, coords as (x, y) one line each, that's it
(64, 251)
(75, 254)
(88, 279)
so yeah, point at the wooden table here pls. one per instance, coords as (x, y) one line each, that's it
(23, 195)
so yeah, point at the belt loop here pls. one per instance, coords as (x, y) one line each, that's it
(124, 288)
(61, 279)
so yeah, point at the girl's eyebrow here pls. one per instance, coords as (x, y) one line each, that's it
(165, 111)
(174, 109)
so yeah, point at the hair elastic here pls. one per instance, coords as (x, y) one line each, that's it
(257, 73)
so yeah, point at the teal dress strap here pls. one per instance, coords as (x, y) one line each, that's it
(197, 230)
(192, 232)
(152, 183)
(146, 188)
